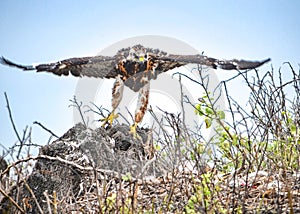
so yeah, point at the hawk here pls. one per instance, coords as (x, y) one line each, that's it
(133, 67)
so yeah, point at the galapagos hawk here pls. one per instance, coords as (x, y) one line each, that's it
(134, 67)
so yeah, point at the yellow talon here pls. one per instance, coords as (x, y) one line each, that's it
(133, 131)
(109, 119)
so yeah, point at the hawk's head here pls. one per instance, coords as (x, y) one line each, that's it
(137, 53)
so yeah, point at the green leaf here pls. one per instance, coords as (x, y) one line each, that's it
(126, 177)
(293, 128)
(221, 115)
(207, 122)
(198, 110)
(157, 147)
(209, 111)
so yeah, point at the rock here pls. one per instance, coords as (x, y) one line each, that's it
(79, 159)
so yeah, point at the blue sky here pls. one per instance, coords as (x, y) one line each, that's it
(42, 31)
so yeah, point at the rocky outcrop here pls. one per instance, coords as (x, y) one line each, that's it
(74, 165)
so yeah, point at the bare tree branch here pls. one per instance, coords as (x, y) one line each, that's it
(43, 127)
(11, 119)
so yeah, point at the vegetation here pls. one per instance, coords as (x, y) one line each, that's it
(250, 164)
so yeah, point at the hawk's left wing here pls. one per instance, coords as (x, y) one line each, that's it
(97, 66)
(157, 64)
(234, 64)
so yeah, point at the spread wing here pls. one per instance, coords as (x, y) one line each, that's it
(136, 65)
(215, 63)
(156, 65)
(97, 66)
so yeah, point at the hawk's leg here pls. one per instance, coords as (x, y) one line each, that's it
(141, 107)
(117, 94)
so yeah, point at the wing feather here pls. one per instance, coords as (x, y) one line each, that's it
(161, 64)
(97, 66)
(215, 63)
(139, 72)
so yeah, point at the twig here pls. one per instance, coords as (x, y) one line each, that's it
(33, 196)
(12, 200)
(54, 202)
(59, 159)
(146, 165)
(43, 127)
(78, 107)
(11, 118)
(48, 201)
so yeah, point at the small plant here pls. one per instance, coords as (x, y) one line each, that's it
(206, 109)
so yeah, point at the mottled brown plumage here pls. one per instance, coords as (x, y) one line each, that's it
(133, 66)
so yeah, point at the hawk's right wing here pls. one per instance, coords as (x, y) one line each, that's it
(97, 66)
